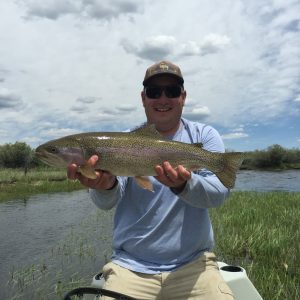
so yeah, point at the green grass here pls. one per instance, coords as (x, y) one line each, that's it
(14, 184)
(260, 232)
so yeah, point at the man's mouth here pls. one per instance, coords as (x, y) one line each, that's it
(162, 109)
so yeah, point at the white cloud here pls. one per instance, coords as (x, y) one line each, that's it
(213, 43)
(234, 135)
(190, 48)
(210, 43)
(3, 133)
(31, 140)
(80, 64)
(52, 9)
(106, 9)
(123, 108)
(152, 48)
(96, 9)
(162, 46)
(87, 100)
(196, 112)
(58, 132)
(79, 109)
(9, 100)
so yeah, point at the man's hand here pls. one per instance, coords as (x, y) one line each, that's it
(172, 177)
(104, 180)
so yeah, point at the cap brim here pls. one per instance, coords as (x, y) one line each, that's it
(180, 79)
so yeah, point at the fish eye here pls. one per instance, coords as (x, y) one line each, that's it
(52, 149)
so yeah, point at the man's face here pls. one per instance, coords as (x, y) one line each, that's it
(164, 112)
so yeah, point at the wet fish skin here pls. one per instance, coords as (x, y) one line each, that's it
(136, 154)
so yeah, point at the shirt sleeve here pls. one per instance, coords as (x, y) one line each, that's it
(204, 189)
(107, 199)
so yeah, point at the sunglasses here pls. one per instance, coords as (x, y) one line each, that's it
(171, 91)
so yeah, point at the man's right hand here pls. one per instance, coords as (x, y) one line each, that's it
(104, 180)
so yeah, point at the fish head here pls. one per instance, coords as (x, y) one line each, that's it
(60, 153)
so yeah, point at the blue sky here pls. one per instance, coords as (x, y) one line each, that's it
(75, 66)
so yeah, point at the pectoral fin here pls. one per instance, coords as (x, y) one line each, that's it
(87, 171)
(144, 182)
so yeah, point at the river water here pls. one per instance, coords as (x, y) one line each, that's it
(266, 181)
(50, 240)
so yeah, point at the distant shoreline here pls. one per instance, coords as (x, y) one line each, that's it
(15, 184)
(271, 169)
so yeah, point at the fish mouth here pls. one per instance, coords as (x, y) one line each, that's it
(39, 151)
(39, 154)
(45, 157)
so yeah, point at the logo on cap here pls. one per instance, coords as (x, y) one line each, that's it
(164, 67)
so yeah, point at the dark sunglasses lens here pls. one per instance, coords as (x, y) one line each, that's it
(173, 91)
(153, 92)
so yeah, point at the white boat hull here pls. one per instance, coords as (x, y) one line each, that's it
(237, 279)
(235, 276)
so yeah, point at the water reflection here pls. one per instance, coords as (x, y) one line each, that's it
(264, 181)
(50, 236)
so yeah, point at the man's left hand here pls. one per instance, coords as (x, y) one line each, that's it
(172, 177)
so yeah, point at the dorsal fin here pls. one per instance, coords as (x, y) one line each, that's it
(148, 130)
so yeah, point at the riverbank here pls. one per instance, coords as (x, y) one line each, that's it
(258, 231)
(283, 167)
(15, 184)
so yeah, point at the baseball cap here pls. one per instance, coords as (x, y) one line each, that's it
(163, 68)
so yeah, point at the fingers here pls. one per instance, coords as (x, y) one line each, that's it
(72, 169)
(72, 172)
(184, 173)
(92, 161)
(171, 177)
(104, 180)
(88, 182)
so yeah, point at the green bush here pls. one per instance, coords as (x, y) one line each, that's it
(17, 155)
(274, 156)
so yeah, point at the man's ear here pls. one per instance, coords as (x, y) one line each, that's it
(183, 97)
(143, 96)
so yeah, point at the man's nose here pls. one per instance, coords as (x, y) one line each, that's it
(163, 96)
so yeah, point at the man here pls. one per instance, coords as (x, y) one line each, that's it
(162, 241)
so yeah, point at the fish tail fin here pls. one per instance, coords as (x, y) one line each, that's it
(232, 163)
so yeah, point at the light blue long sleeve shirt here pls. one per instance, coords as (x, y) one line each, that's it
(162, 231)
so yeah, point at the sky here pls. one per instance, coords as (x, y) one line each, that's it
(78, 65)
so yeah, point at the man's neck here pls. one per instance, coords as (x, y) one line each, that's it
(165, 131)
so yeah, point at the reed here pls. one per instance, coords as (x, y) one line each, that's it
(70, 264)
(15, 184)
(260, 232)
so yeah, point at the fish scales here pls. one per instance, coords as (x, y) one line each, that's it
(132, 157)
(136, 154)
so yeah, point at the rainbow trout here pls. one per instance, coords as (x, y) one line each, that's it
(135, 154)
